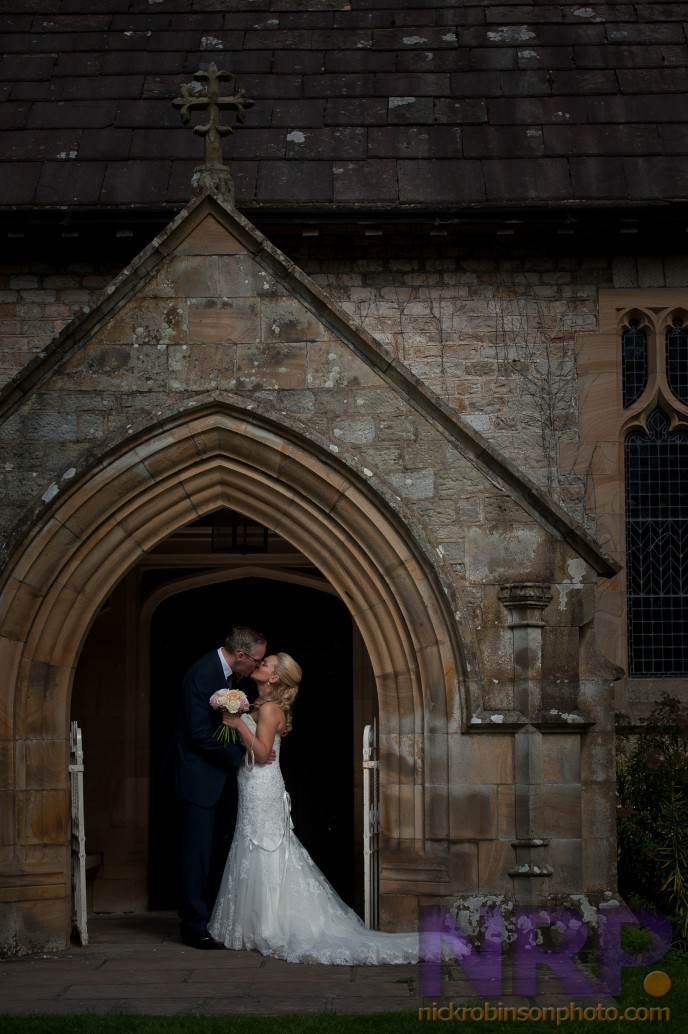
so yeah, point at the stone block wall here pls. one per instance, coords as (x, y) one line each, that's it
(39, 298)
(492, 332)
(210, 368)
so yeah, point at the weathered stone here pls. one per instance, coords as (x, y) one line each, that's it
(230, 321)
(473, 812)
(413, 484)
(355, 432)
(231, 381)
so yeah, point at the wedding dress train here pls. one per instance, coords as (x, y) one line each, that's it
(274, 898)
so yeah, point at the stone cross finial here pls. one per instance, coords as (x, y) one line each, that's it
(213, 174)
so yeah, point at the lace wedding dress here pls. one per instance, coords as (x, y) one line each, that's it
(274, 898)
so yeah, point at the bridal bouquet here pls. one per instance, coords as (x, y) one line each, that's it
(232, 700)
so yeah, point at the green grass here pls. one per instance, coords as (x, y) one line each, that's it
(632, 995)
(318, 1023)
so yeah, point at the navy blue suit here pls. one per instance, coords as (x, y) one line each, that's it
(198, 766)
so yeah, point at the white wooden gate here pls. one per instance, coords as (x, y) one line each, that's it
(76, 773)
(371, 827)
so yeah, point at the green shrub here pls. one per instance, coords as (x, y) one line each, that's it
(652, 789)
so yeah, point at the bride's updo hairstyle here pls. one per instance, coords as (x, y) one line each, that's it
(285, 691)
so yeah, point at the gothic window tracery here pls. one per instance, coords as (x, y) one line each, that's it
(677, 359)
(656, 500)
(633, 362)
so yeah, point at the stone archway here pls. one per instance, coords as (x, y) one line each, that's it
(126, 692)
(129, 501)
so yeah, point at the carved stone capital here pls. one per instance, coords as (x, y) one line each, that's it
(526, 601)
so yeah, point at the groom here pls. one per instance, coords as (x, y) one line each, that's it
(199, 766)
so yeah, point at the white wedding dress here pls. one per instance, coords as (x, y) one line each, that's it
(274, 898)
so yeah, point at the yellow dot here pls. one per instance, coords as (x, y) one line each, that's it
(657, 983)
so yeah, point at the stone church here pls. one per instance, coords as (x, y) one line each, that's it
(365, 324)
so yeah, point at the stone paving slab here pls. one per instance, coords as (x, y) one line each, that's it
(58, 1007)
(138, 965)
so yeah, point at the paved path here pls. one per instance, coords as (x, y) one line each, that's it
(137, 964)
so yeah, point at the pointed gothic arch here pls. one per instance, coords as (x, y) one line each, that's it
(167, 477)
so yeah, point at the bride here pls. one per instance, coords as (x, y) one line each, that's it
(273, 897)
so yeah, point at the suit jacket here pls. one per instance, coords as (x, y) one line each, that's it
(198, 764)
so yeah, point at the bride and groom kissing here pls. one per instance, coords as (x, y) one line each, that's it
(272, 898)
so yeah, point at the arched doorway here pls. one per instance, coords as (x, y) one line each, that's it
(110, 517)
(178, 603)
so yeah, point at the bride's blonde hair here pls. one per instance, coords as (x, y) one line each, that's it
(285, 691)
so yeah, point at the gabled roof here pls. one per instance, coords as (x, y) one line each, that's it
(382, 103)
(299, 287)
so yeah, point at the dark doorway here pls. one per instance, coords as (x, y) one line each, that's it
(317, 760)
